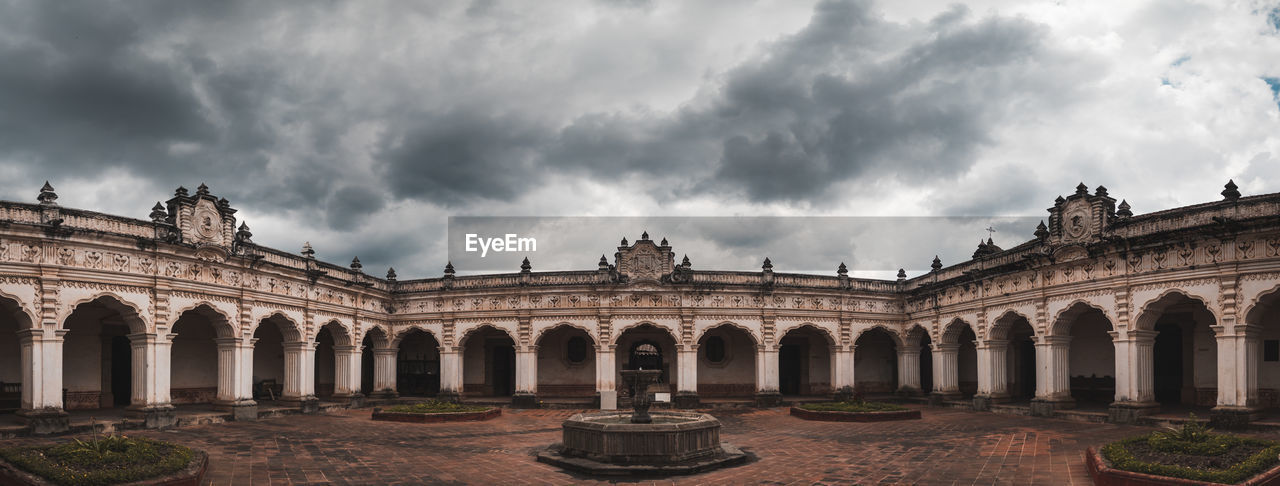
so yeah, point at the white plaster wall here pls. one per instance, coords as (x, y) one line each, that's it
(1205, 357)
(194, 358)
(736, 375)
(1092, 352)
(82, 353)
(554, 367)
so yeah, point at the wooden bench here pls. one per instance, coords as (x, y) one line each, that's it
(10, 396)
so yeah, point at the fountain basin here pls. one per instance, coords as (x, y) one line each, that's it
(672, 437)
(674, 443)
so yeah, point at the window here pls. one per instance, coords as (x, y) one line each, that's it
(576, 349)
(1271, 350)
(715, 349)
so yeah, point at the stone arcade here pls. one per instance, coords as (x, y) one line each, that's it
(1100, 308)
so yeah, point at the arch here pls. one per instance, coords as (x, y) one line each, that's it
(697, 338)
(380, 336)
(1152, 309)
(462, 340)
(875, 357)
(338, 331)
(566, 361)
(194, 374)
(1062, 321)
(1184, 354)
(537, 340)
(394, 342)
(289, 329)
(675, 334)
(915, 334)
(99, 370)
(952, 331)
(1260, 304)
(897, 338)
(831, 340)
(221, 322)
(726, 358)
(128, 311)
(13, 306)
(1000, 327)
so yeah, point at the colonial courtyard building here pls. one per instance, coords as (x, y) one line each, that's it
(1100, 308)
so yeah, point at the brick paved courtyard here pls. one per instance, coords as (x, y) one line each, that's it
(947, 447)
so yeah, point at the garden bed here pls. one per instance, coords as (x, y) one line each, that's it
(110, 460)
(431, 412)
(1189, 455)
(854, 411)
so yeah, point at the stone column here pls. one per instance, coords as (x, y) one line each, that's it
(993, 374)
(235, 379)
(946, 371)
(606, 372)
(842, 377)
(767, 394)
(1238, 356)
(1138, 396)
(299, 376)
(42, 406)
(450, 372)
(150, 358)
(526, 395)
(687, 376)
(346, 371)
(1053, 375)
(909, 372)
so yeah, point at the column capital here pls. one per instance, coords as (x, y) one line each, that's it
(949, 347)
(345, 348)
(994, 343)
(1055, 340)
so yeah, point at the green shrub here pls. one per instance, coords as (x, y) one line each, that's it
(110, 460)
(435, 406)
(852, 406)
(1194, 439)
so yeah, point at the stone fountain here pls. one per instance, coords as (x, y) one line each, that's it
(641, 443)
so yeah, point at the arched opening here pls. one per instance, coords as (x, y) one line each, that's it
(97, 355)
(1014, 333)
(875, 362)
(1185, 353)
(804, 362)
(12, 320)
(726, 363)
(633, 338)
(417, 364)
(566, 363)
(194, 372)
(1091, 355)
(960, 339)
(1266, 316)
(919, 340)
(269, 377)
(489, 363)
(373, 339)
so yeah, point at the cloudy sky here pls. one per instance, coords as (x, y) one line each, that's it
(363, 126)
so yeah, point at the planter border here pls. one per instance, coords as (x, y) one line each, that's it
(437, 417)
(192, 475)
(827, 416)
(1102, 474)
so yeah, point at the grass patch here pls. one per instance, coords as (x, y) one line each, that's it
(1194, 452)
(435, 406)
(852, 406)
(110, 460)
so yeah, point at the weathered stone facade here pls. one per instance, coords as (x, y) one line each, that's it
(1081, 313)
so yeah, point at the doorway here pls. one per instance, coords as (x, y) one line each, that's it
(503, 376)
(1168, 363)
(791, 358)
(121, 376)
